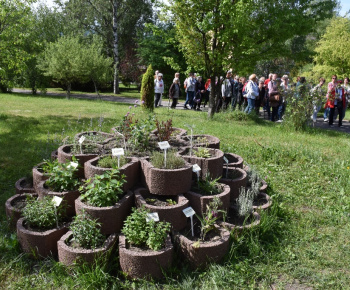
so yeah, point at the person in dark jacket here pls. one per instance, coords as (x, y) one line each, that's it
(199, 94)
(175, 92)
(260, 98)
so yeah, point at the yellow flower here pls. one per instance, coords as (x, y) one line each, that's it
(347, 167)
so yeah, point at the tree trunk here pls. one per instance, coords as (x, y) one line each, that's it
(96, 90)
(69, 86)
(115, 48)
(212, 103)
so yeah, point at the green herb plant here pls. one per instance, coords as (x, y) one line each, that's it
(202, 152)
(140, 233)
(245, 202)
(63, 177)
(141, 133)
(208, 186)
(173, 161)
(111, 162)
(41, 214)
(164, 129)
(86, 231)
(171, 202)
(48, 166)
(103, 190)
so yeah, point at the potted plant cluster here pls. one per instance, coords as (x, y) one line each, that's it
(41, 226)
(84, 242)
(24, 185)
(145, 248)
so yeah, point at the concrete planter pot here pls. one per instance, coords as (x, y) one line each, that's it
(240, 224)
(234, 160)
(263, 186)
(166, 181)
(172, 214)
(236, 183)
(13, 212)
(106, 136)
(198, 141)
(70, 256)
(54, 155)
(22, 185)
(64, 154)
(131, 170)
(199, 202)
(39, 244)
(68, 197)
(110, 217)
(199, 256)
(262, 202)
(212, 165)
(145, 264)
(38, 175)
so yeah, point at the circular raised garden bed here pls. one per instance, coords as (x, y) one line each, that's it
(139, 263)
(166, 212)
(68, 255)
(131, 170)
(235, 222)
(234, 160)
(176, 132)
(110, 217)
(64, 154)
(100, 137)
(39, 244)
(14, 206)
(38, 175)
(199, 253)
(262, 202)
(203, 141)
(166, 181)
(237, 178)
(199, 202)
(212, 165)
(54, 155)
(23, 185)
(68, 197)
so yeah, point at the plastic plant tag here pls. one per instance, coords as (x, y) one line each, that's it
(56, 200)
(196, 168)
(164, 145)
(225, 159)
(81, 139)
(189, 211)
(117, 151)
(73, 164)
(152, 216)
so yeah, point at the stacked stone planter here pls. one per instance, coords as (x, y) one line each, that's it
(236, 183)
(23, 186)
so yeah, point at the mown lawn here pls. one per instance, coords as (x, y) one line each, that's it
(303, 240)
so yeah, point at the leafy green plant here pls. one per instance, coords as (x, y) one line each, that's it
(208, 186)
(41, 214)
(202, 152)
(164, 130)
(141, 233)
(126, 125)
(147, 89)
(173, 161)
(48, 166)
(201, 140)
(245, 202)
(63, 177)
(103, 190)
(86, 148)
(171, 202)
(86, 231)
(140, 133)
(111, 162)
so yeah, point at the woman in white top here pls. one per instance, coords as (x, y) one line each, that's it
(252, 90)
(158, 89)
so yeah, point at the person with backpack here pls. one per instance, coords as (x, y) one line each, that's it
(158, 89)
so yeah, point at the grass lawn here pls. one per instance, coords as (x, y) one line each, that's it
(302, 241)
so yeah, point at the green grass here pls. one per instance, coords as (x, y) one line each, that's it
(305, 237)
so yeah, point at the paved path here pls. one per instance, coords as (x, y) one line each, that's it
(319, 124)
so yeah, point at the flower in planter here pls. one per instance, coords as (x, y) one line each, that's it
(140, 233)
(103, 190)
(164, 129)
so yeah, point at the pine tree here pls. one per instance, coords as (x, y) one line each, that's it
(147, 89)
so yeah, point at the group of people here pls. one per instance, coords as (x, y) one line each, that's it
(252, 94)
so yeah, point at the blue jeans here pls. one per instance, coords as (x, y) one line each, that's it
(189, 98)
(326, 113)
(280, 111)
(316, 109)
(251, 105)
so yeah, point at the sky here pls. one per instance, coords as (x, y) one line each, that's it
(345, 4)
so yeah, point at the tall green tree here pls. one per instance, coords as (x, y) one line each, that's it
(224, 34)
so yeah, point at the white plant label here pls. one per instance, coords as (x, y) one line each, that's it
(56, 200)
(117, 151)
(73, 164)
(196, 168)
(225, 159)
(82, 139)
(188, 211)
(152, 216)
(164, 145)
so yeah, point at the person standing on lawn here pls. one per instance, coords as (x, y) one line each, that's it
(331, 99)
(252, 90)
(158, 89)
(174, 92)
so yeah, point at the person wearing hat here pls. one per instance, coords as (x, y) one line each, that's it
(158, 89)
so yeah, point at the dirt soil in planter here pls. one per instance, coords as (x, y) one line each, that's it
(160, 200)
(195, 189)
(20, 203)
(74, 244)
(86, 149)
(260, 200)
(233, 218)
(39, 230)
(231, 174)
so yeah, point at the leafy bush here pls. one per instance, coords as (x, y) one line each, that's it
(147, 89)
(245, 202)
(140, 133)
(208, 186)
(111, 162)
(141, 233)
(202, 152)
(62, 177)
(164, 130)
(41, 214)
(86, 231)
(48, 166)
(103, 190)
(173, 161)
